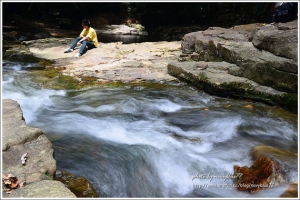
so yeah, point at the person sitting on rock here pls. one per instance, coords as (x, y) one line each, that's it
(87, 39)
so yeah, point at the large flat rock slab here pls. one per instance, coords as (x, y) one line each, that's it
(111, 61)
(216, 78)
(216, 74)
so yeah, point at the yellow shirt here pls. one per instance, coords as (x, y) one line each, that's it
(91, 34)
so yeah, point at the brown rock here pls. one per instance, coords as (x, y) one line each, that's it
(263, 174)
(77, 184)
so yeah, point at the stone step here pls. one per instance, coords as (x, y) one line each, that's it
(234, 46)
(214, 78)
(216, 73)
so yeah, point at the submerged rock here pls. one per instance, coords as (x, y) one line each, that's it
(77, 184)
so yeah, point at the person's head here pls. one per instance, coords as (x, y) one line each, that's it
(86, 22)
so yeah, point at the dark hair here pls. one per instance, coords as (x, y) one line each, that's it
(86, 22)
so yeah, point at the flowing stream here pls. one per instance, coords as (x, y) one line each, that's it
(152, 140)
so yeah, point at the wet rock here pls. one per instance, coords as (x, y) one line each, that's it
(288, 161)
(77, 184)
(263, 174)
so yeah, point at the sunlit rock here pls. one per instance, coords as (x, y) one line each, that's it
(263, 174)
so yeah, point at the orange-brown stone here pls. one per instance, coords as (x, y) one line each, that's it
(263, 174)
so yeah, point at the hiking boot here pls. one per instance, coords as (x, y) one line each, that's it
(68, 50)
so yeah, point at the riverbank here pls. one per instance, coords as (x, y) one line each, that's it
(33, 175)
(217, 61)
(134, 63)
(234, 62)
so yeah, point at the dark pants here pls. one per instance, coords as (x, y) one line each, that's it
(84, 45)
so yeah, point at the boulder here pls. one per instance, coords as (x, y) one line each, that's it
(281, 42)
(262, 59)
(263, 174)
(15, 131)
(234, 46)
(27, 155)
(287, 160)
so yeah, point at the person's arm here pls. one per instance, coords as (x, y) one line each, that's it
(83, 38)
